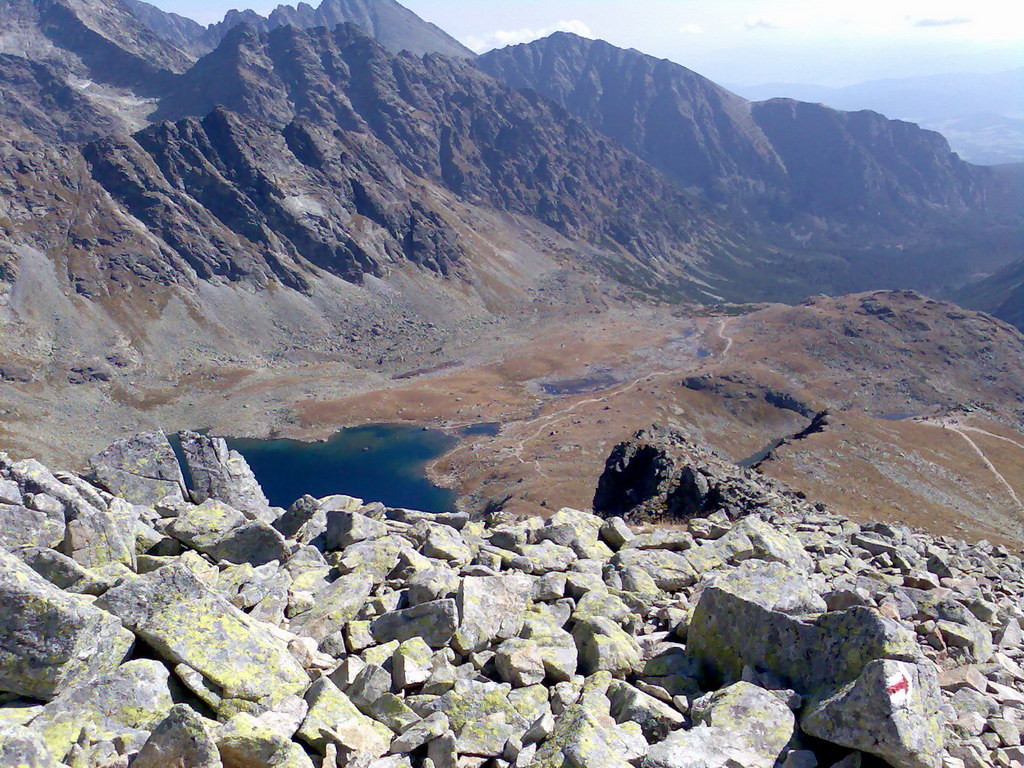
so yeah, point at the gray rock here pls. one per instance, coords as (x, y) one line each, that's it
(141, 469)
(671, 571)
(605, 647)
(254, 542)
(181, 739)
(95, 537)
(217, 529)
(760, 614)
(246, 742)
(520, 662)
(422, 732)
(224, 475)
(345, 528)
(615, 532)
(24, 527)
(491, 608)
(892, 709)
(191, 626)
(749, 720)
(10, 494)
(134, 697)
(656, 718)
(434, 622)
(334, 719)
(411, 663)
(22, 748)
(334, 606)
(49, 640)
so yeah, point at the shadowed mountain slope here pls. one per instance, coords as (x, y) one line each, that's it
(782, 159)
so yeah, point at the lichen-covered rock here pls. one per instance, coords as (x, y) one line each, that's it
(558, 648)
(254, 542)
(469, 700)
(434, 622)
(141, 469)
(190, 625)
(764, 615)
(520, 662)
(671, 571)
(411, 663)
(24, 527)
(245, 742)
(218, 473)
(333, 607)
(491, 608)
(224, 533)
(605, 647)
(334, 719)
(200, 527)
(49, 496)
(748, 719)
(892, 709)
(50, 640)
(586, 734)
(135, 696)
(347, 527)
(741, 725)
(22, 748)
(181, 739)
(630, 705)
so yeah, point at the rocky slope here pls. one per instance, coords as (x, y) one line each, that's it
(146, 629)
(102, 42)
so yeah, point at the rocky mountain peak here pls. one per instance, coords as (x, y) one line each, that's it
(393, 25)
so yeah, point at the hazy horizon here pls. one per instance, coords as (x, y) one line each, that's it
(743, 42)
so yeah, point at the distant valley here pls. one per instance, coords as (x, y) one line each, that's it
(325, 217)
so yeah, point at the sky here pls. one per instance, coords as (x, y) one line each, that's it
(743, 42)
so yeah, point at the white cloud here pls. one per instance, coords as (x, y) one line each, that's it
(763, 22)
(692, 29)
(949, 22)
(502, 37)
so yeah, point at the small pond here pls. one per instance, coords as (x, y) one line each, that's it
(378, 462)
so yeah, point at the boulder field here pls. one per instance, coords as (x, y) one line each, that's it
(151, 625)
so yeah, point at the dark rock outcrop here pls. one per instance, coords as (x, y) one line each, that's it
(659, 474)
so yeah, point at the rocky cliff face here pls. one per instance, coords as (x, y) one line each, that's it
(779, 159)
(38, 101)
(442, 120)
(146, 623)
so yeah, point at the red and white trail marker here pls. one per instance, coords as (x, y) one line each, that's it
(899, 685)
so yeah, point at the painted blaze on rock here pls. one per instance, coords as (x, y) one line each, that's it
(875, 690)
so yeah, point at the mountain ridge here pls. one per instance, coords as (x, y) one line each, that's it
(395, 26)
(655, 106)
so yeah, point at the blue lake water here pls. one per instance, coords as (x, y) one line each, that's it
(379, 462)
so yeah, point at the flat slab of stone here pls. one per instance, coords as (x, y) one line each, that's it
(51, 640)
(141, 469)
